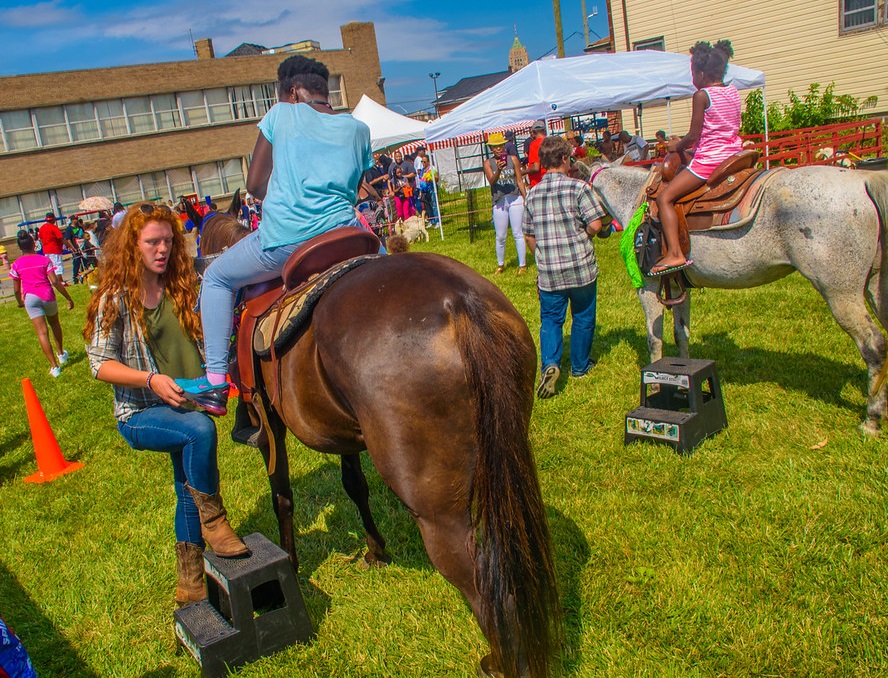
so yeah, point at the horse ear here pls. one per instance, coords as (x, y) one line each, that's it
(193, 214)
(235, 207)
(619, 161)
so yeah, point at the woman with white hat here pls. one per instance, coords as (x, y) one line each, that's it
(503, 172)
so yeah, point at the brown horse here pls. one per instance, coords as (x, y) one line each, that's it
(446, 427)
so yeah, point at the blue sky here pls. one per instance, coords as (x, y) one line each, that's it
(457, 38)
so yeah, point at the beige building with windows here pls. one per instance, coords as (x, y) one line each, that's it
(794, 43)
(153, 131)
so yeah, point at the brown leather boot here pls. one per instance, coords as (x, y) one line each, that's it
(190, 568)
(214, 525)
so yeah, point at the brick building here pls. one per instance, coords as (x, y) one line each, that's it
(155, 130)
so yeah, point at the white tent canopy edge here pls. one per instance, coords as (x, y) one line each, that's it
(581, 85)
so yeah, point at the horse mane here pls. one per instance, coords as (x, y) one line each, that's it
(221, 230)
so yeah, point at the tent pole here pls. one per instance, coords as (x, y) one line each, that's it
(669, 116)
(435, 197)
(641, 120)
(765, 112)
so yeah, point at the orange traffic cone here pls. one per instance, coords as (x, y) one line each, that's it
(50, 462)
(233, 391)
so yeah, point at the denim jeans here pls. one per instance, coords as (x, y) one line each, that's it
(190, 439)
(244, 263)
(553, 311)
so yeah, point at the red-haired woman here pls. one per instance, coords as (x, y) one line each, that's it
(143, 333)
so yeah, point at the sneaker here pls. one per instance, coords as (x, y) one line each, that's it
(55, 371)
(546, 387)
(63, 358)
(584, 374)
(214, 399)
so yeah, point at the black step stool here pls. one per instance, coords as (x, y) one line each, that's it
(681, 404)
(254, 608)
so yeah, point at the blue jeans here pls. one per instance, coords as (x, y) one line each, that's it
(244, 263)
(553, 311)
(190, 439)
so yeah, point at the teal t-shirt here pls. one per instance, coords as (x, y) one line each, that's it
(318, 161)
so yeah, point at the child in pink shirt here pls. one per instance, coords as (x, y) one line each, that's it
(33, 276)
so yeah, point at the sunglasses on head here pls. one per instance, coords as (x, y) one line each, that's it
(148, 209)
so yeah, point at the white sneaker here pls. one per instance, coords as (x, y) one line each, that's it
(55, 372)
(63, 358)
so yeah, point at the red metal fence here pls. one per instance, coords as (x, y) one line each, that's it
(824, 145)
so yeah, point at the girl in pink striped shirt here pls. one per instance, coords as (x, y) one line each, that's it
(715, 131)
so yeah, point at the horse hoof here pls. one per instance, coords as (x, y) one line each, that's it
(370, 560)
(870, 427)
(486, 668)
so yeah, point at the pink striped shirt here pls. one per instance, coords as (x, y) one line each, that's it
(720, 136)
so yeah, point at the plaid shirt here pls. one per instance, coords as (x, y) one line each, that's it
(125, 344)
(556, 212)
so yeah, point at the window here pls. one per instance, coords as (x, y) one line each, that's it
(218, 105)
(82, 121)
(337, 91)
(194, 108)
(18, 130)
(265, 96)
(68, 199)
(181, 181)
(128, 189)
(155, 185)
(10, 216)
(658, 44)
(139, 115)
(166, 111)
(208, 180)
(51, 126)
(233, 175)
(36, 205)
(112, 121)
(243, 103)
(858, 14)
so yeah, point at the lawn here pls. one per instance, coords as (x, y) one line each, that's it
(763, 553)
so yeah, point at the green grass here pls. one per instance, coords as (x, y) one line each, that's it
(755, 555)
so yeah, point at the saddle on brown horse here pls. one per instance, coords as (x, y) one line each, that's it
(272, 305)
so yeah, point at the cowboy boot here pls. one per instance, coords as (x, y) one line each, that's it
(214, 525)
(190, 568)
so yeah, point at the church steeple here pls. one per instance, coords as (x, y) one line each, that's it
(518, 58)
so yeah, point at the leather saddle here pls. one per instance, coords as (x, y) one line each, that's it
(305, 264)
(713, 203)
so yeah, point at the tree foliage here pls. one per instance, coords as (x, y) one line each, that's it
(814, 108)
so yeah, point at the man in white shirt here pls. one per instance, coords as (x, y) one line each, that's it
(633, 146)
(119, 214)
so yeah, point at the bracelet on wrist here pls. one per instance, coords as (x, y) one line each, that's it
(151, 376)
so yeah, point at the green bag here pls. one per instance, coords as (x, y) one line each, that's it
(627, 246)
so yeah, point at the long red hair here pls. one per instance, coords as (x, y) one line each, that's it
(121, 269)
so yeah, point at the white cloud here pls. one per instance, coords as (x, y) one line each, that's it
(40, 15)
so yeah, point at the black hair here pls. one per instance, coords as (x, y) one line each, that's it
(711, 61)
(553, 151)
(660, 133)
(25, 241)
(300, 71)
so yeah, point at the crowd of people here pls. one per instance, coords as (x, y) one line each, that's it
(164, 347)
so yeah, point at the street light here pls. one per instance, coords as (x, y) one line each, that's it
(434, 77)
(586, 18)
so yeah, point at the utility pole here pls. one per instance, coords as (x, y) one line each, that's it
(559, 32)
(585, 24)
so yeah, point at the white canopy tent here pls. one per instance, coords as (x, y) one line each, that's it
(387, 128)
(559, 88)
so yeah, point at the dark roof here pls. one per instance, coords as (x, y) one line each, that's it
(246, 49)
(468, 87)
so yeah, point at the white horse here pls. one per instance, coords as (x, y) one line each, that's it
(824, 222)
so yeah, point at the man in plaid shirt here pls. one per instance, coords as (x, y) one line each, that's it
(561, 216)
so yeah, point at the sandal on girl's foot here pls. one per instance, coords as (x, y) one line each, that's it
(499, 269)
(522, 270)
(665, 270)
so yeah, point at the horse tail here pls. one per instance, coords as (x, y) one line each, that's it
(515, 574)
(876, 184)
